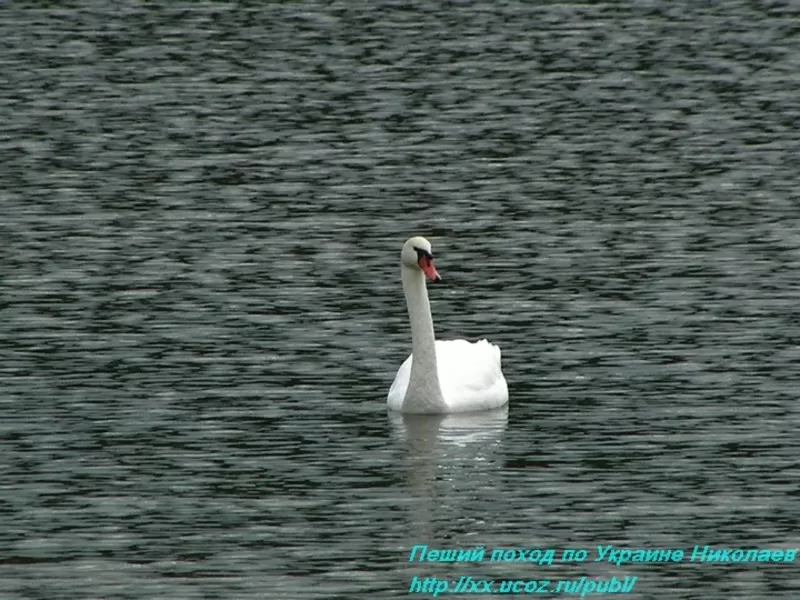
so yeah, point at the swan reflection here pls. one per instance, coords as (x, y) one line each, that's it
(453, 467)
(474, 431)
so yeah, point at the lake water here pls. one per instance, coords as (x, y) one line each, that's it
(203, 208)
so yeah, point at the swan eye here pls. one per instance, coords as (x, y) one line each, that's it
(423, 253)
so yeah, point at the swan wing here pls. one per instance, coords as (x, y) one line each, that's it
(470, 375)
(397, 392)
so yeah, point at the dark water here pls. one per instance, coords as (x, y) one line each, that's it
(202, 210)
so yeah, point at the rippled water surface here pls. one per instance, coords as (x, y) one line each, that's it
(203, 207)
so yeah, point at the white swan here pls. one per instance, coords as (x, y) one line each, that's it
(441, 376)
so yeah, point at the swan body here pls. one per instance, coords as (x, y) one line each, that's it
(469, 377)
(441, 376)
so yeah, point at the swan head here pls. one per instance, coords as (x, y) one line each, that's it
(417, 254)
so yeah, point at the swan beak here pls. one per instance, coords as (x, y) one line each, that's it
(426, 264)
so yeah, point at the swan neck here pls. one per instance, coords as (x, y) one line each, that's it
(424, 377)
(423, 338)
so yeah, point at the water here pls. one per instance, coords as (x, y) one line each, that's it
(203, 208)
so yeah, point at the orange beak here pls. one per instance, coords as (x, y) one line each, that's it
(426, 264)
